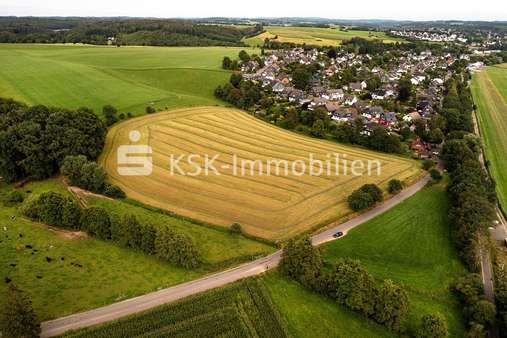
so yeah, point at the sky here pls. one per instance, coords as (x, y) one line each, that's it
(488, 10)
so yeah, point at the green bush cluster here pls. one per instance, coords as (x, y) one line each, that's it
(395, 186)
(365, 197)
(89, 176)
(54, 209)
(479, 312)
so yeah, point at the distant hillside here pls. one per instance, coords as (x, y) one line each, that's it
(121, 31)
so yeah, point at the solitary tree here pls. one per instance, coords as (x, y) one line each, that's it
(395, 186)
(226, 62)
(404, 89)
(243, 56)
(17, 318)
(433, 326)
(110, 114)
(301, 261)
(301, 78)
(236, 228)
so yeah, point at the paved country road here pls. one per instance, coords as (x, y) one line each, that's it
(259, 266)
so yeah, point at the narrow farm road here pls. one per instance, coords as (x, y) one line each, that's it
(259, 266)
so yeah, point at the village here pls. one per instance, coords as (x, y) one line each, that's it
(366, 100)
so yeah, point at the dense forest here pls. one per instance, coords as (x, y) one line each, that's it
(118, 31)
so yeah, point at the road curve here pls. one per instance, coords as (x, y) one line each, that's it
(134, 305)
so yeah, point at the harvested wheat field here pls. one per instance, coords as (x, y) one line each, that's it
(274, 206)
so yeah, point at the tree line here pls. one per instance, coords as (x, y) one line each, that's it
(153, 32)
(55, 209)
(472, 198)
(351, 285)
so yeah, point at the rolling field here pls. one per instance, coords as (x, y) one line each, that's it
(315, 36)
(269, 206)
(410, 244)
(129, 78)
(107, 272)
(489, 89)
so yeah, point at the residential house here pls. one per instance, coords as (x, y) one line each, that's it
(410, 117)
(349, 99)
(335, 94)
(278, 87)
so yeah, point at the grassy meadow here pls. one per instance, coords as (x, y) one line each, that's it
(315, 36)
(269, 205)
(129, 78)
(308, 314)
(108, 272)
(489, 89)
(410, 244)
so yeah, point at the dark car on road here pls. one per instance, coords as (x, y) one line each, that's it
(338, 234)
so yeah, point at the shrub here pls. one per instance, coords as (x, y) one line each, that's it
(89, 175)
(96, 222)
(476, 331)
(17, 317)
(113, 191)
(132, 231)
(71, 168)
(360, 200)
(436, 174)
(50, 208)
(149, 234)
(395, 186)
(14, 197)
(354, 286)
(301, 261)
(433, 326)
(482, 312)
(54, 209)
(150, 110)
(374, 191)
(178, 249)
(468, 288)
(110, 114)
(92, 177)
(428, 164)
(71, 215)
(236, 228)
(391, 306)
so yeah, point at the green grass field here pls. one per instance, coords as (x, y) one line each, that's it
(309, 314)
(315, 36)
(109, 272)
(243, 309)
(410, 244)
(129, 78)
(272, 206)
(489, 89)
